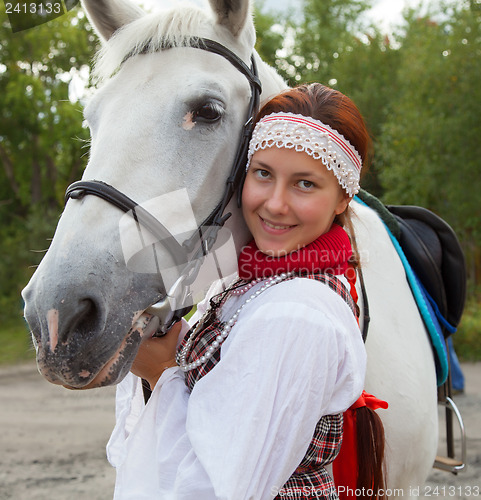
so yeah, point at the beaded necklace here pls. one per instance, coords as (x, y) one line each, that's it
(329, 253)
(181, 356)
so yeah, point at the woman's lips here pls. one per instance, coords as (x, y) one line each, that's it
(275, 228)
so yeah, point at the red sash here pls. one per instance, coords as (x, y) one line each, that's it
(345, 465)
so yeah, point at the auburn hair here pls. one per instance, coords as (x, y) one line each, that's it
(327, 105)
(333, 108)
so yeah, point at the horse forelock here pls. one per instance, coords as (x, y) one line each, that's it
(179, 26)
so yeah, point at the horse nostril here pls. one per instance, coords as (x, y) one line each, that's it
(82, 321)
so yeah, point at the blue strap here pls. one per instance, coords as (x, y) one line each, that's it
(447, 325)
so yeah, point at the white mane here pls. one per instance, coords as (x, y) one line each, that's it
(176, 26)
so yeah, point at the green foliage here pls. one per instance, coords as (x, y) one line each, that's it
(22, 245)
(38, 151)
(430, 149)
(326, 32)
(15, 341)
(269, 35)
(365, 72)
(327, 44)
(41, 140)
(467, 340)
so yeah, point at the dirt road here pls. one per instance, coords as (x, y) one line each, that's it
(53, 440)
(52, 443)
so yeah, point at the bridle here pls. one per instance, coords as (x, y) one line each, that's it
(190, 254)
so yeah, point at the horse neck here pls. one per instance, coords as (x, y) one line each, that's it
(272, 82)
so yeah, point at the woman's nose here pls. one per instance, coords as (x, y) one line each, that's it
(277, 201)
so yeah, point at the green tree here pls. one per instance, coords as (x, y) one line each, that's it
(328, 44)
(269, 33)
(328, 29)
(366, 72)
(39, 122)
(41, 138)
(430, 146)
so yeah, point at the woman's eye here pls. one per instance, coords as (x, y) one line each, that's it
(262, 174)
(305, 184)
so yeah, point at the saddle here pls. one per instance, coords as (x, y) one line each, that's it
(435, 267)
(433, 251)
(436, 271)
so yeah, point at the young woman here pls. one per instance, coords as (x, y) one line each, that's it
(250, 404)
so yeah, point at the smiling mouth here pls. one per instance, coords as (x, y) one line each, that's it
(278, 227)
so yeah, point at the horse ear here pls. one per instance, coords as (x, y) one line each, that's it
(231, 13)
(107, 16)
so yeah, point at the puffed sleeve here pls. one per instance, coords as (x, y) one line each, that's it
(293, 357)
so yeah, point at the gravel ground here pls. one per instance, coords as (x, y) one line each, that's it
(53, 440)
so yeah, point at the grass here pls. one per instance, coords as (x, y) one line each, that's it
(467, 340)
(15, 343)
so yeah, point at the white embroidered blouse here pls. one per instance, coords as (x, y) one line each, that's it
(295, 354)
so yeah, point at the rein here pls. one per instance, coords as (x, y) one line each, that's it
(191, 253)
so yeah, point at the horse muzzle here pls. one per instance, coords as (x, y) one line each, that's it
(87, 327)
(68, 360)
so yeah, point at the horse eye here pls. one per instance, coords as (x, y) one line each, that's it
(209, 113)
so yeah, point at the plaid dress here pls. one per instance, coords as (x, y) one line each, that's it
(310, 479)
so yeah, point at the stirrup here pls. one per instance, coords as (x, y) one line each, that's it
(450, 463)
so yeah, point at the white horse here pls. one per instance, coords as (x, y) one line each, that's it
(169, 119)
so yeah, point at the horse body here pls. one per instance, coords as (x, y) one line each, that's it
(400, 366)
(158, 125)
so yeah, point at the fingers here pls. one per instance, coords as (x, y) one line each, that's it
(156, 354)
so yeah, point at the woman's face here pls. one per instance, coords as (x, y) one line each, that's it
(289, 199)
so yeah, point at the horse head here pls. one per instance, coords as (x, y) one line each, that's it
(165, 123)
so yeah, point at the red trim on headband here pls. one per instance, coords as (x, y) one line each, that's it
(317, 125)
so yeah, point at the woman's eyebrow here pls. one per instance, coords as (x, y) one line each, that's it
(260, 163)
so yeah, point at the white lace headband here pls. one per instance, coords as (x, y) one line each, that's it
(287, 130)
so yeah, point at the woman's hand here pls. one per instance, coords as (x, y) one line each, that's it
(156, 354)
